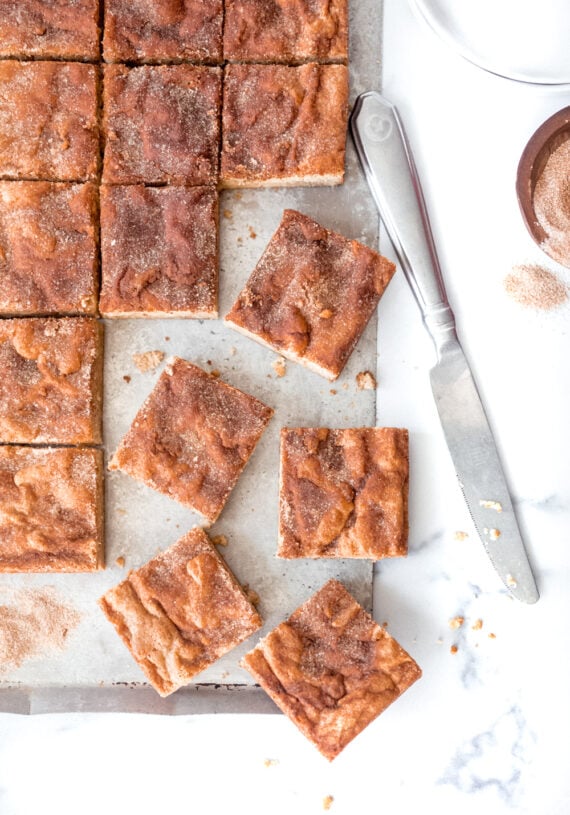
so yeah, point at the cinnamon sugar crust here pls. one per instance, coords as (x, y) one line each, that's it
(51, 509)
(51, 383)
(344, 493)
(331, 669)
(311, 294)
(180, 612)
(283, 123)
(289, 31)
(155, 30)
(47, 248)
(56, 29)
(159, 250)
(48, 121)
(161, 124)
(192, 438)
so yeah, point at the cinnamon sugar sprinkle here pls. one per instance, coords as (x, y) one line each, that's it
(551, 202)
(536, 287)
(34, 623)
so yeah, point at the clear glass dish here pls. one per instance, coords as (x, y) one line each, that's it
(526, 40)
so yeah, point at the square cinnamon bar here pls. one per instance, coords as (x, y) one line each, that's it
(51, 383)
(163, 30)
(331, 669)
(48, 121)
(159, 251)
(289, 31)
(311, 295)
(53, 29)
(284, 126)
(161, 124)
(51, 509)
(48, 253)
(343, 493)
(192, 438)
(180, 612)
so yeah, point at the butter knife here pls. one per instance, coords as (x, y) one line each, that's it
(388, 164)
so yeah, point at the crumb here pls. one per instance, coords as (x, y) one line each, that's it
(240, 239)
(385, 624)
(270, 762)
(456, 622)
(228, 214)
(233, 351)
(460, 536)
(167, 339)
(494, 534)
(345, 386)
(127, 378)
(327, 801)
(326, 314)
(148, 361)
(491, 505)
(220, 540)
(477, 625)
(252, 233)
(238, 196)
(453, 649)
(209, 362)
(121, 511)
(120, 561)
(492, 636)
(279, 367)
(333, 391)
(251, 595)
(365, 381)
(215, 373)
(511, 581)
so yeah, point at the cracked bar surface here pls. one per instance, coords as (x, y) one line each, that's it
(192, 438)
(283, 125)
(159, 252)
(180, 612)
(56, 29)
(331, 669)
(156, 30)
(343, 493)
(311, 294)
(51, 383)
(48, 121)
(48, 260)
(288, 31)
(51, 509)
(161, 124)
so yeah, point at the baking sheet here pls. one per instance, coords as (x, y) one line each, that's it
(95, 671)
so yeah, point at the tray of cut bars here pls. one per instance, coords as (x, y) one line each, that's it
(192, 488)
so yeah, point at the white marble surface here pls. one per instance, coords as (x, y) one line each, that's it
(486, 729)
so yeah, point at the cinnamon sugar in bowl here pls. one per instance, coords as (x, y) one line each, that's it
(543, 186)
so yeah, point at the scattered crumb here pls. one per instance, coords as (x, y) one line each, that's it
(326, 314)
(220, 540)
(492, 636)
(215, 373)
(510, 580)
(491, 505)
(240, 239)
(279, 367)
(228, 214)
(327, 801)
(270, 762)
(34, 623)
(148, 361)
(333, 391)
(209, 362)
(238, 196)
(477, 625)
(385, 624)
(127, 378)
(345, 386)
(251, 595)
(167, 339)
(121, 511)
(460, 536)
(454, 649)
(456, 622)
(535, 286)
(494, 534)
(365, 381)
(252, 233)
(233, 351)
(120, 561)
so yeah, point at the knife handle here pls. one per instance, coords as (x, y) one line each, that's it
(389, 167)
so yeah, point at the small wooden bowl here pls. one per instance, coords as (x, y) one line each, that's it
(549, 136)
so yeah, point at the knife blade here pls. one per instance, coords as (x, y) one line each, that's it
(388, 164)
